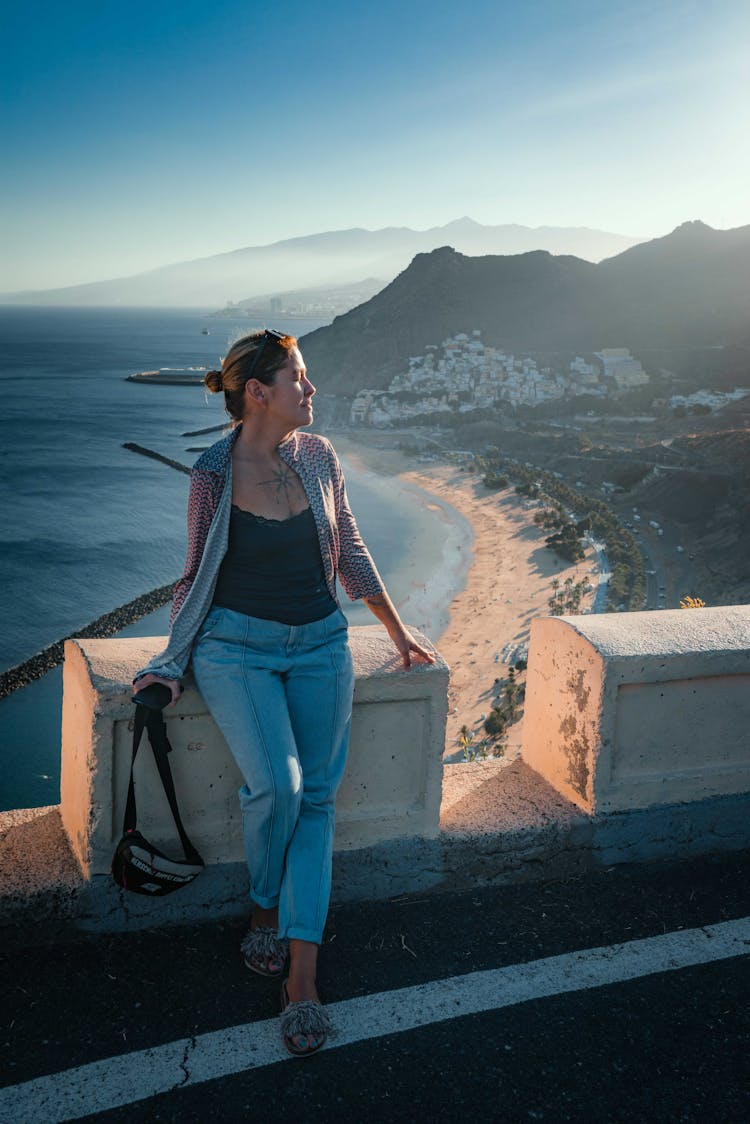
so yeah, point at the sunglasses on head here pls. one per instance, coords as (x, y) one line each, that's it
(268, 334)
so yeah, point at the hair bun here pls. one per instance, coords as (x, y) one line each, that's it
(213, 381)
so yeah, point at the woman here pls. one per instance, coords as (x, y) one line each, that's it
(269, 530)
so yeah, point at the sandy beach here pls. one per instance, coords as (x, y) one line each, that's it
(495, 582)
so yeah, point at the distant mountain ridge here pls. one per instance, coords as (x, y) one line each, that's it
(328, 259)
(690, 289)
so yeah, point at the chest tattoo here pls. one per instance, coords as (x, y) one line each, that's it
(282, 481)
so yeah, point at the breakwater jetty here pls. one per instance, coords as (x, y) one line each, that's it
(135, 448)
(107, 625)
(206, 429)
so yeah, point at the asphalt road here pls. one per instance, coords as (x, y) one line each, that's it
(665, 1045)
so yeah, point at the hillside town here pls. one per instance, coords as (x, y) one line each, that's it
(463, 374)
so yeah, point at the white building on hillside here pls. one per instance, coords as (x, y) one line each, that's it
(620, 366)
(462, 374)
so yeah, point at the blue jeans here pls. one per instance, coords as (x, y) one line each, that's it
(282, 697)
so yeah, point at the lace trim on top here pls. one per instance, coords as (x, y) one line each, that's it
(268, 522)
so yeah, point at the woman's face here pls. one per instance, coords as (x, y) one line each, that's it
(289, 398)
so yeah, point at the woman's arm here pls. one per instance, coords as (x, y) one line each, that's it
(205, 492)
(359, 575)
(354, 564)
(382, 606)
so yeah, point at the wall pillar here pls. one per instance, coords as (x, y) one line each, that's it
(633, 710)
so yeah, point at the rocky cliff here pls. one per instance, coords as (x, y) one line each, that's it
(690, 290)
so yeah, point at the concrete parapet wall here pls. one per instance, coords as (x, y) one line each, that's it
(606, 697)
(627, 711)
(398, 722)
(499, 824)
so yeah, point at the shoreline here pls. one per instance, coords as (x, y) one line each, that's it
(504, 582)
(429, 573)
(431, 601)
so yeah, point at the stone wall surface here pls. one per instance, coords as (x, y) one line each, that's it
(634, 710)
(398, 722)
(500, 824)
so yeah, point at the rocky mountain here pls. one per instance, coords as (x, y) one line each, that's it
(329, 259)
(689, 290)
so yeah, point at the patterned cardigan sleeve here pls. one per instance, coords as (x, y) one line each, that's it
(357, 571)
(205, 492)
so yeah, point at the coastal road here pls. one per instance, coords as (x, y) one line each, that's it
(617, 995)
(672, 571)
(599, 604)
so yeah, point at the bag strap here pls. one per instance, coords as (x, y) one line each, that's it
(156, 728)
(139, 722)
(157, 735)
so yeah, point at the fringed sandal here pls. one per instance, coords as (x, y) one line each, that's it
(306, 1020)
(264, 952)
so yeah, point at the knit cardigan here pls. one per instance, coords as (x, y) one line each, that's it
(343, 552)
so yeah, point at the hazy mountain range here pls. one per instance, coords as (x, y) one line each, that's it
(689, 290)
(333, 258)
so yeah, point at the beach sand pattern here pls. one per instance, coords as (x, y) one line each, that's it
(490, 588)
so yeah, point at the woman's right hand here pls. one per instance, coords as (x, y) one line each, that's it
(174, 685)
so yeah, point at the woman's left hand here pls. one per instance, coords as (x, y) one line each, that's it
(407, 646)
(381, 605)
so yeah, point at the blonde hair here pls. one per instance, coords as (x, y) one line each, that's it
(239, 364)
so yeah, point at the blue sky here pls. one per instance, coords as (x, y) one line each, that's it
(136, 134)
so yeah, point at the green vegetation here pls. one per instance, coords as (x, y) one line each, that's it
(566, 544)
(507, 709)
(627, 586)
(567, 599)
(551, 518)
(474, 750)
(494, 480)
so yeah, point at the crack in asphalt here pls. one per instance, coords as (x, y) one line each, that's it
(189, 1047)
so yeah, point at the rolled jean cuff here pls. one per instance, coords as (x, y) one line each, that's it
(295, 933)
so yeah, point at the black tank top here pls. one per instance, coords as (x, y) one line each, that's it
(273, 569)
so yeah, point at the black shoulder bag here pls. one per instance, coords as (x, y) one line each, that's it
(138, 865)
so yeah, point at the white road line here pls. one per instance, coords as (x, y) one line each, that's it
(132, 1077)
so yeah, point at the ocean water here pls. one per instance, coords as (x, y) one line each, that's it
(86, 525)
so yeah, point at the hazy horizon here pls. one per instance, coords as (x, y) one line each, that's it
(143, 135)
(310, 237)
